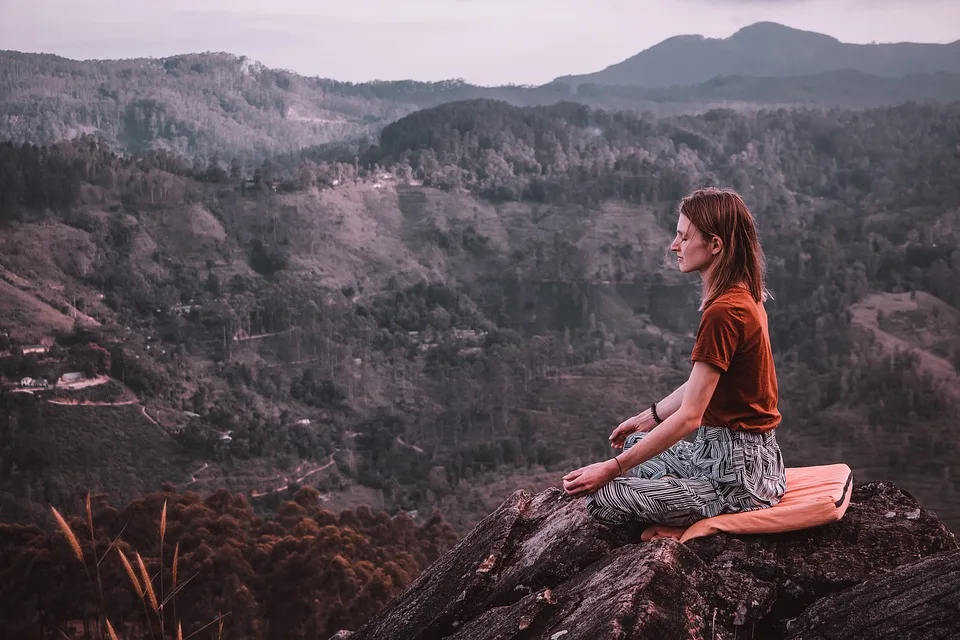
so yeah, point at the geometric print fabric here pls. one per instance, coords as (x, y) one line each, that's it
(722, 471)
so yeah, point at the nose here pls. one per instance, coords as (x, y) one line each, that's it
(675, 246)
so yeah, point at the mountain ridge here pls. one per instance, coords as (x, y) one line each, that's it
(230, 107)
(768, 49)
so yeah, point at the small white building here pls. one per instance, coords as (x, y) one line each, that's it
(184, 309)
(33, 383)
(73, 376)
(34, 348)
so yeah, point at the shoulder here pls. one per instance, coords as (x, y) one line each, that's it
(734, 305)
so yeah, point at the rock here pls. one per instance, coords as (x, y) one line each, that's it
(539, 567)
(916, 600)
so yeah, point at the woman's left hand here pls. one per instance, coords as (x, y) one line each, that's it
(589, 479)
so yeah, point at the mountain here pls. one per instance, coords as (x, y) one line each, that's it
(767, 49)
(229, 107)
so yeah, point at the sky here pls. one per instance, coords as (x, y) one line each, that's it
(485, 42)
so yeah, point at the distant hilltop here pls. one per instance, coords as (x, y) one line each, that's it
(768, 49)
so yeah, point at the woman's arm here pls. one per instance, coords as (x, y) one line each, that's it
(697, 392)
(671, 404)
(644, 421)
(682, 422)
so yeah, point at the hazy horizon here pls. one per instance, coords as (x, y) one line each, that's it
(490, 43)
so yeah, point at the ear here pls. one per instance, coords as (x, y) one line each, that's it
(716, 245)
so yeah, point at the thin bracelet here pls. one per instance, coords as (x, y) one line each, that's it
(653, 410)
(619, 468)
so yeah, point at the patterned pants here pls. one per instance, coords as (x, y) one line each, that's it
(724, 471)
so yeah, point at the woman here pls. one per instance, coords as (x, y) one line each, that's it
(730, 398)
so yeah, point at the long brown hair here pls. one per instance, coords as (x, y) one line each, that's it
(724, 214)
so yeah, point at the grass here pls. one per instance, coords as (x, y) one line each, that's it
(156, 600)
(26, 317)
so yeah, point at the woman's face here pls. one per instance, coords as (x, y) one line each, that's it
(694, 250)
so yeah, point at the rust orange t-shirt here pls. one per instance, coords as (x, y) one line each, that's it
(734, 336)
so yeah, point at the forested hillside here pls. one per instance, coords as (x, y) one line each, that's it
(221, 106)
(440, 344)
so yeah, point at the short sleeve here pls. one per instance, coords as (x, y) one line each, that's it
(718, 336)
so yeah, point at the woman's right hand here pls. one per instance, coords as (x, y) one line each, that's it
(628, 426)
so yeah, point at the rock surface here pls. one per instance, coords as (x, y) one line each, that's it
(918, 600)
(539, 567)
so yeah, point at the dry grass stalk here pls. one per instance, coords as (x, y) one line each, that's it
(131, 573)
(147, 585)
(218, 619)
(71, 538)
(176, 556)
(163, 532)
(113, 634)
(90, 518)
(163, 521)
(173, 592)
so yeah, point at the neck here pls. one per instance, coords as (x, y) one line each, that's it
(705, 274)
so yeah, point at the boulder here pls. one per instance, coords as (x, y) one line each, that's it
(539, 567)
(916, 600)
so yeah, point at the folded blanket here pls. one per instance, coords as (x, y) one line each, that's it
(814, 496)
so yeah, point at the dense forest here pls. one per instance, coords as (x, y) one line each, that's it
(469, 305)
(213, 563)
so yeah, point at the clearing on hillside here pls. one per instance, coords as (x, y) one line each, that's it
(27, 318)
(918, 323)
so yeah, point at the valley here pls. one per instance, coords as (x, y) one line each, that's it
(295, 337)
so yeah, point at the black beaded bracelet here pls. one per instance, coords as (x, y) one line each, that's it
(653, 410)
